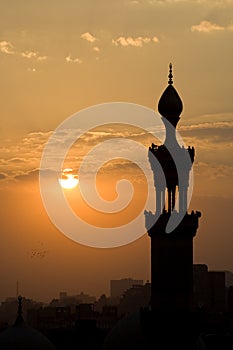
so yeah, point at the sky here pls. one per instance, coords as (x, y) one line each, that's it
(59, 57)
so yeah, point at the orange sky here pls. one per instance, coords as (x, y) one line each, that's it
(58, 57)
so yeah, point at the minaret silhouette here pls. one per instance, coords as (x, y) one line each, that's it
(19, 319)
(172, 253)
(170, 321)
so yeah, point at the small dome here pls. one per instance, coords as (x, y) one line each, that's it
(127, 334)
(22, 337)
(170, 105)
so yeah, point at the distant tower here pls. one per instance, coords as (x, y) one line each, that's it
(172, 253)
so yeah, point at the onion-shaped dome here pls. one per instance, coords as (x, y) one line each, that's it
(170, 105)
(22, 337)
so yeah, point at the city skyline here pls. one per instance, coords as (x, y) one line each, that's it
(59, 59)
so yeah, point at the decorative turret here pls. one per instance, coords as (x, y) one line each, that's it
(170, 154)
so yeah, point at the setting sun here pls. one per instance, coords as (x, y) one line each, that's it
(68, 180)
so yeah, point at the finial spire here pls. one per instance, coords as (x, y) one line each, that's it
(170, 104)
(170, 76)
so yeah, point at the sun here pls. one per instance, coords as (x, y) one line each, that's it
(68, 179)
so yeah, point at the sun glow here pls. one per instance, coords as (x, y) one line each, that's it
(68, 179)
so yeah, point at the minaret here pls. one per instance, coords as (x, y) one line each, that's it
(172, 253)
(19, 319)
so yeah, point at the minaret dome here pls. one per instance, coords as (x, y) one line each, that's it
(170, 105)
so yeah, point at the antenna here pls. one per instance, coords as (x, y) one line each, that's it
(17, 289)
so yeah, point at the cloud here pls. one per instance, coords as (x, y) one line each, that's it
(208, 125)
(119, 165)
(206, 27)
(33, 54)
(30, 175)
(214, 171)
(211, 136)
(31, 70)
(2, 176)
(96, 49)
(155, 39)
(42, 58)
(69, 59)
(24, 156)
(29, 54)
(136, 42)
(6, 47)
(33, 175)
(17, 160)
(89, 37)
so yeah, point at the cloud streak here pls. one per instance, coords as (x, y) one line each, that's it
(33, 54)
(70, 59)
(208, 125)
(88, 37)
(212, 141)
(135, 42)
(208, 27)
(30, 175)
(96, 49)
(29, 54)
(6, 47)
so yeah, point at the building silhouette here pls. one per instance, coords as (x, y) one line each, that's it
(134, 298)
(212, 289)
(169, 322)
(118, 287)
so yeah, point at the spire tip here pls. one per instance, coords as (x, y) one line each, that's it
(170, 76)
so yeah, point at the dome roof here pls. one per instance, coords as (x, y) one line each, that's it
(127, 334)
(170, 105)
(22, 337)
(137, 331)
